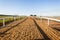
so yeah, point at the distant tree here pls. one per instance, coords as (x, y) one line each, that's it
(34, 15)
(31, 15)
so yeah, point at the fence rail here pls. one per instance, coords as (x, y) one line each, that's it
(57, 20)
(3, 20)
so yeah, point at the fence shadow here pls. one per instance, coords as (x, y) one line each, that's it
(42, 32)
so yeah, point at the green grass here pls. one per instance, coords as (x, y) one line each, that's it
(10, 19)
(6, 20)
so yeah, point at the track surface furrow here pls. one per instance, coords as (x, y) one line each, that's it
(24, 31)
(29, 29)
(51, 33)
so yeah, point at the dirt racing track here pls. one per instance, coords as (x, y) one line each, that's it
(28, 29)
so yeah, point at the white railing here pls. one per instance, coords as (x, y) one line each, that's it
(3, 19)
(57, 20)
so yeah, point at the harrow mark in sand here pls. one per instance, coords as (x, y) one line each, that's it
(41, 31)
(27, 30)
(51, 33)
(10, 26)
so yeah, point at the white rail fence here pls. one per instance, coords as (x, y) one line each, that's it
(42, 18)
(3, 19)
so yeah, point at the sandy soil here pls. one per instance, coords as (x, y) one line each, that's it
(24, 31)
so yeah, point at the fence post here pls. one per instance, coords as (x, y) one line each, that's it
(3, 22)
(48, 22)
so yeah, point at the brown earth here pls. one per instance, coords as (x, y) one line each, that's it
(29, 29)
(51, 30)
(24, 31)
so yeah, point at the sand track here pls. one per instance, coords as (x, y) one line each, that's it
(24, 31)
(29, 29)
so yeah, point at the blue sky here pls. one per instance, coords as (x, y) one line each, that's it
(27, 7)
